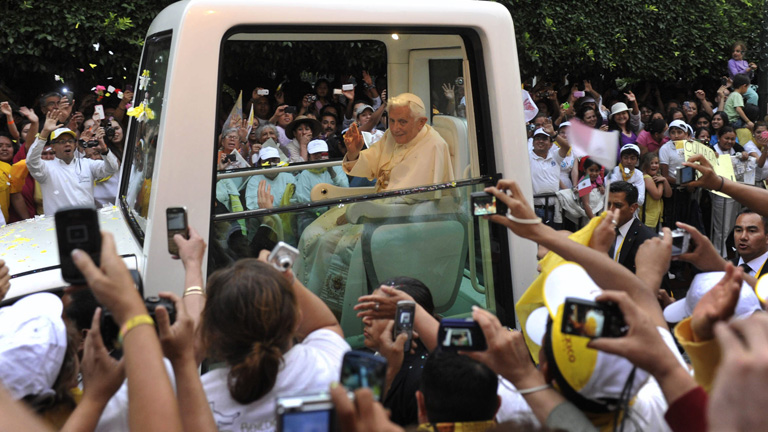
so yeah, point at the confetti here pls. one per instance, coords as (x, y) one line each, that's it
(120, 95)
(92, 65)
(77, 25)
(111, 89)
(111, 53)
(96, 46)
(58, 78)
(81, 70)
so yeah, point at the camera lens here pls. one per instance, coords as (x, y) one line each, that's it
(285, 262)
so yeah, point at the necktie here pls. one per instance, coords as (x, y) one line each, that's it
(747, 269)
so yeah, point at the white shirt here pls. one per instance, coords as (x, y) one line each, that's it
(756, 264)
(67, 185)
(620, 238)
(545, 173)
(637, 180)
(105, 192)
(309, 367)
(671, 156)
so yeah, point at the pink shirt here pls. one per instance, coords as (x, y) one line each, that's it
(646, 139)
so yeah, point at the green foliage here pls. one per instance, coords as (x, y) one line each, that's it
(44, 38)
(658, 40)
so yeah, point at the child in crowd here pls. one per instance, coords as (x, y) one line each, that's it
(737, 65)
(656, 187)
(591, 185)
(630, 156)
(734, 106)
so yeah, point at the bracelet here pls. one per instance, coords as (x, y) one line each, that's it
(10, 121)
(722, 183)
(194, 290)
(515, 219)
(534, 389)
(133, 323)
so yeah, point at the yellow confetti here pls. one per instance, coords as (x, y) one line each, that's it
(93, 66)
(106, 94)
(43, 251)
(77, 25)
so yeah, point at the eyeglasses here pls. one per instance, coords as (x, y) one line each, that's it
(65, 141)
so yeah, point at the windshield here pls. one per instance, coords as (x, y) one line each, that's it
(144, 133)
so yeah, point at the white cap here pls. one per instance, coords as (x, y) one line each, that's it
(618, 107)
(540, 131)
(33, 340)
(268, 153)
(702, 283)
(679, 124)
(317, 146)
(362, 108)
(632, 147)
(564, 124)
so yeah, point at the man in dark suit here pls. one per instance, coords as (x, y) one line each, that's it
(630, 232)
(751, 242)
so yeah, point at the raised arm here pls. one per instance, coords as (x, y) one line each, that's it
(35, 163)
(749, 196)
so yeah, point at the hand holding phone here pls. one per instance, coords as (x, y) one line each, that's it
(176, 223)
(592, 319)
(404, 315)
(457, 334)
(364, 370)
(77, 228)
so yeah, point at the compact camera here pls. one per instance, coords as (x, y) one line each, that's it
(229, 158)
(312, 98)
(592, 319)
(110, 330)
(456, 334)
(89, 144)
(681, 241)
(685, 175)
(459, 81)
(283, 256)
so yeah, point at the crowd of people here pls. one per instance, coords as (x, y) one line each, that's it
(265, 335)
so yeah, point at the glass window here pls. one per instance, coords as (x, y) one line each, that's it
(144, 133)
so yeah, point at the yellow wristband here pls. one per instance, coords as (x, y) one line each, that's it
(193, 290)
(133, 323)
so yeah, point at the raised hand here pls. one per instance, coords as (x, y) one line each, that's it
(450, 91)
(353, 140)
(630, 97)
(51, 123)
(717, 305)
(102, 374)
(177, 340)
(265, 199)
(29, 114)
(5, 108)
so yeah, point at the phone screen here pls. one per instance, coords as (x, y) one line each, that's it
(461, 335)
(364, 370)
(591, 319)
(688, 175)
(484, 205)
(307, 421)
(176, 223)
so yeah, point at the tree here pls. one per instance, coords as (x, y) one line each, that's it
(84, 43)
(661, 40)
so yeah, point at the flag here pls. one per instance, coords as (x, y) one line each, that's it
(602, 147)
(250, 121)
(235, 118)
(584, 187)
(529, 106)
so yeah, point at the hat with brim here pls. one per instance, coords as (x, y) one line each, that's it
(630, 148)
(702, 283)
(594, 378)
(33, 341)
(564, 124)
(541, 131)
(313, 124)
(61, 131)
(362, 109)
(268, 153)
(618, 107)
(317, 146)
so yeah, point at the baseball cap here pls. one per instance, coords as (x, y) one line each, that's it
(540, 131)
(630, 147)
(60, 131)
(268, 153)
(598, 378)
(702, 283)
(33, 341)
(317, 146)
(679, 124)
(564, 124)
(362, 108)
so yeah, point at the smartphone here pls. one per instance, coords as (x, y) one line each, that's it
(579, 94)
(485, 204)
(684, 174)
(263, 92)
(77, 228)
(283, 256)
(347, 87)
(99, 110)
(681, 241)
(336, 92)
(687, 105)
(457, 334)
(361, 369)
(176, 222)
(306, 413)
(290, 110)
(404, 314)
(592, 319)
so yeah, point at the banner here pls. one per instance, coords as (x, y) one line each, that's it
(721, 165)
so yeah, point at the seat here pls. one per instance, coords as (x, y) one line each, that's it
(454, 132)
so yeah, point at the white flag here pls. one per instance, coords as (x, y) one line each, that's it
(602, 147)
(529, 106)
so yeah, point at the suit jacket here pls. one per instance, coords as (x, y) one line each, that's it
(638, 233)
(764, 270)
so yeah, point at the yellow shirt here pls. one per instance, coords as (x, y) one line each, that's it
(705, 356)
(5, 188)
(653, 209)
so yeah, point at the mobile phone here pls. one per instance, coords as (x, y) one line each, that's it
(681, 241)
(592, 319)
(99, 110)
(176, 222)
(361, 369)
(457, 334)
(263, 92)
(283, 256)
(347, 87)
(685, 174)
(336, 92)
(687, 105)
(485, 204)
(290, 110)
(579, 94)
(302, 413)
(77, 228)
(404, 314)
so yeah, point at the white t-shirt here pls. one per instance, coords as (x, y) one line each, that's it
(671, 156)
(637, 180)
(545, 173)
(309, 367)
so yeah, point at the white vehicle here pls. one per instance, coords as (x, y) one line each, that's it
(198, 49)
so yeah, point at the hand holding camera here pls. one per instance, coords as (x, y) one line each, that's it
(177, 337)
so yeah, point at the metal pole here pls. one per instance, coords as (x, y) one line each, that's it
(762, 64)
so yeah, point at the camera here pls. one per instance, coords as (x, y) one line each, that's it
(485, 204)
(290, 110)
(305, 412)
(283, 256)
(684, 174)
(364, 370)
(459, 81)
(229, 158)
(77, 228)
(89, 144)
(311, 98)
(110, 330)
(681, 241)
(592, 319)
(263, 92)
(456, 334)
(109, 131)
